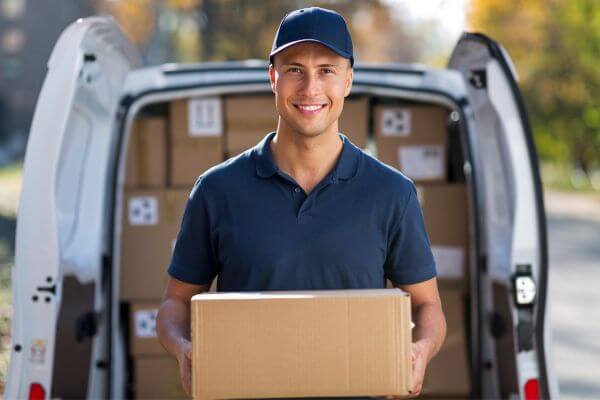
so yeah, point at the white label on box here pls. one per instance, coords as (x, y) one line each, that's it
(145, 323)
(395, 122)
(204, 117)
(449, 261)
(143, 210)
(422, 162)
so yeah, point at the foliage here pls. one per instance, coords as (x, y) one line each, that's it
(555, 45)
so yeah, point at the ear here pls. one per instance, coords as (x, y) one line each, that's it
(349, 77)
(272, 77)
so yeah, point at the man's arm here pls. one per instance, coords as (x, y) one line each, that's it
(430, 326)
(173, 324)
(427, 314)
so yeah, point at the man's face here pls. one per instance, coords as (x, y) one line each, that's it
(310, 83)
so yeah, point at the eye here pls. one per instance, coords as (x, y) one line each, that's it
(294, 70)
(328, 70)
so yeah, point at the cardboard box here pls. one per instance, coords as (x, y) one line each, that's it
(413, 139)
(247, 120)
(354, 121)
(447, 222)
(142, 330)
(448, 373)
(157, 378)
(151, 221)
(196, 134)
(146, 164)
(301, 344)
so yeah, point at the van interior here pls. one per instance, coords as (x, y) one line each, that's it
(170, 143)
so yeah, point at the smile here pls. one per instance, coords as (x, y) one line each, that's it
(310, 108)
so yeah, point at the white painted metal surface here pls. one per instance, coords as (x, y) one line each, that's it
(61, 219)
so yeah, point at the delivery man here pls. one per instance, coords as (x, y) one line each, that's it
(305, 208)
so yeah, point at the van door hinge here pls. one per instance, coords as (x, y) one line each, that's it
(87, 325)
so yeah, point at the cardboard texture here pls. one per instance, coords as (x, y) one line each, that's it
(301, 344)
(446, 220)
(196, 139)
(354, 121)
(448, 372)
(413, 139)
(157, 378)
(146, 164)
(151, 221)
(247, 120)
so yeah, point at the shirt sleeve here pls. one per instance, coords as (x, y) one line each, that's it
(409, 257)
(193, 259)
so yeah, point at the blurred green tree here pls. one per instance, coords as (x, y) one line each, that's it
(555, 45)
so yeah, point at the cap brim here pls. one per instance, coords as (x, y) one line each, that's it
(332, 48)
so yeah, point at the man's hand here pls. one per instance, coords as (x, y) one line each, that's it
(419, 363)
(173, 325)
(419, 357)
(184, 358)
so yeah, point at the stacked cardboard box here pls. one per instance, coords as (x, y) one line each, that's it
(146, 163)
(446, 219)
(301, 344)
(151, 220)
(413, 139)
(354, 121)
(448, 372)
(164, 158)
(196, 133)
(249, 118)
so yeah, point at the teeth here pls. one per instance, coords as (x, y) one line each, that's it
(310, 108)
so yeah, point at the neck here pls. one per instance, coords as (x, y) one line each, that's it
(306, 159)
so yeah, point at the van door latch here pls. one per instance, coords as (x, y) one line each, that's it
(524, 292)
(524, 288)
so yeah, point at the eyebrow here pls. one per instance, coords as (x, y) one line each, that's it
(302, 65)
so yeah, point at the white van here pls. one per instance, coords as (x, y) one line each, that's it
(68, 339)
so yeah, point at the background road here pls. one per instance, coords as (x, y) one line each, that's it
(574, 293)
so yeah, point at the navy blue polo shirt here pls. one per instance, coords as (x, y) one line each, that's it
(252, 225)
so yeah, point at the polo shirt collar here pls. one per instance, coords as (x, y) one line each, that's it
(346, 167)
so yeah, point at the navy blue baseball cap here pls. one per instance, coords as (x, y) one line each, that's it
(314, 24)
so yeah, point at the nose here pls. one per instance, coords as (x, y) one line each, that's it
(310, 86)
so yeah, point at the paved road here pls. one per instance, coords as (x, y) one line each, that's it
(574, 243)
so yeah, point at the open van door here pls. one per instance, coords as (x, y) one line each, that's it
(511, 355)
(59, 328)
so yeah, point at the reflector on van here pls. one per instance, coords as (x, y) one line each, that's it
(37, 392)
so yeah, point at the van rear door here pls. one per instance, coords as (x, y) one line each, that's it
(59, 283)
(512, 268)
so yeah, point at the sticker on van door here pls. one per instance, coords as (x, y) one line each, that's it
(143, 210)
(204, 117)
(37, 353)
